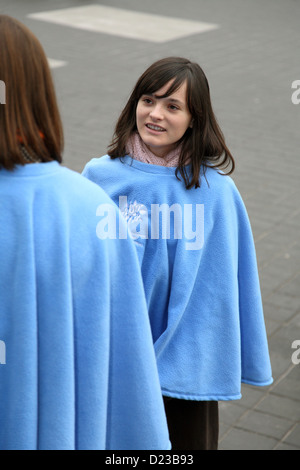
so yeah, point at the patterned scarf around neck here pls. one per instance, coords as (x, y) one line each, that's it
(139, 151)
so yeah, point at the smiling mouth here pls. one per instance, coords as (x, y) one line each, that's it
(152, 127)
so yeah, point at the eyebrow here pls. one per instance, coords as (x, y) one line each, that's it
(159, 97)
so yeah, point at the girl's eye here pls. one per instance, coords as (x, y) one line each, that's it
(147, 100)
(173, 107)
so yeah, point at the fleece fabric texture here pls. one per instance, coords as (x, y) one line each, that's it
(79, 369)
(199, 268)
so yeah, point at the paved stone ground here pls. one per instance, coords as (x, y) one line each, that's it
(251, 61)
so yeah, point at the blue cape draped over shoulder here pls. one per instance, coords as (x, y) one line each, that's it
(199, 268)
(77, 365)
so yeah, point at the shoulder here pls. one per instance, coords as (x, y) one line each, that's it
(99, 163)
(104, 166)
(218, 182)
(81, 190)
(223, 192)
(101, 169)
(110, 174)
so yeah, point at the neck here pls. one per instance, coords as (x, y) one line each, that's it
(138, 150)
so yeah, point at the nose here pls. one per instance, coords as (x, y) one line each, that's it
(156, 112)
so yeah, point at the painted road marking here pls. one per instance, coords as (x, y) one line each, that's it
(125, 23)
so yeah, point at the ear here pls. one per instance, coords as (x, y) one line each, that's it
(191, 124)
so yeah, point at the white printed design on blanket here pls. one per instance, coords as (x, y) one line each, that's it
(161, 221)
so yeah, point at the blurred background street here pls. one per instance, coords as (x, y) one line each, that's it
(250, 52)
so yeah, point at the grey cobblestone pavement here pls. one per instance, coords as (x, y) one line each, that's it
(251, 61)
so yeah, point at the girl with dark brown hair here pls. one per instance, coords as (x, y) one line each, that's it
(166, 169)
(202, 143)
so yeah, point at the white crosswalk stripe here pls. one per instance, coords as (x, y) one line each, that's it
(125, 23)
(54, 63)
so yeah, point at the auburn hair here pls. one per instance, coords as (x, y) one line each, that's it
(204, 144)
(30, 115)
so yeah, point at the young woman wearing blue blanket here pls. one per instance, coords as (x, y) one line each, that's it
(78, 369)
(166, 169)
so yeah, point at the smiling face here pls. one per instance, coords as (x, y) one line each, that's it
(163, 120)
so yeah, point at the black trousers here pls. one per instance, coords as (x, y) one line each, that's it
(193, 425)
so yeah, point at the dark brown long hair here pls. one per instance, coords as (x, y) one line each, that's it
(30, 115)
(204, 143)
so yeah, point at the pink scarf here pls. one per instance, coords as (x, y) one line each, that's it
(139, 151)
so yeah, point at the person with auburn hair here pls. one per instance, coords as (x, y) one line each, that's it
(80, 370)
(168, 168)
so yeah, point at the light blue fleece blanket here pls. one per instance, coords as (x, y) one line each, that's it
(199, 268)
(77, 365)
